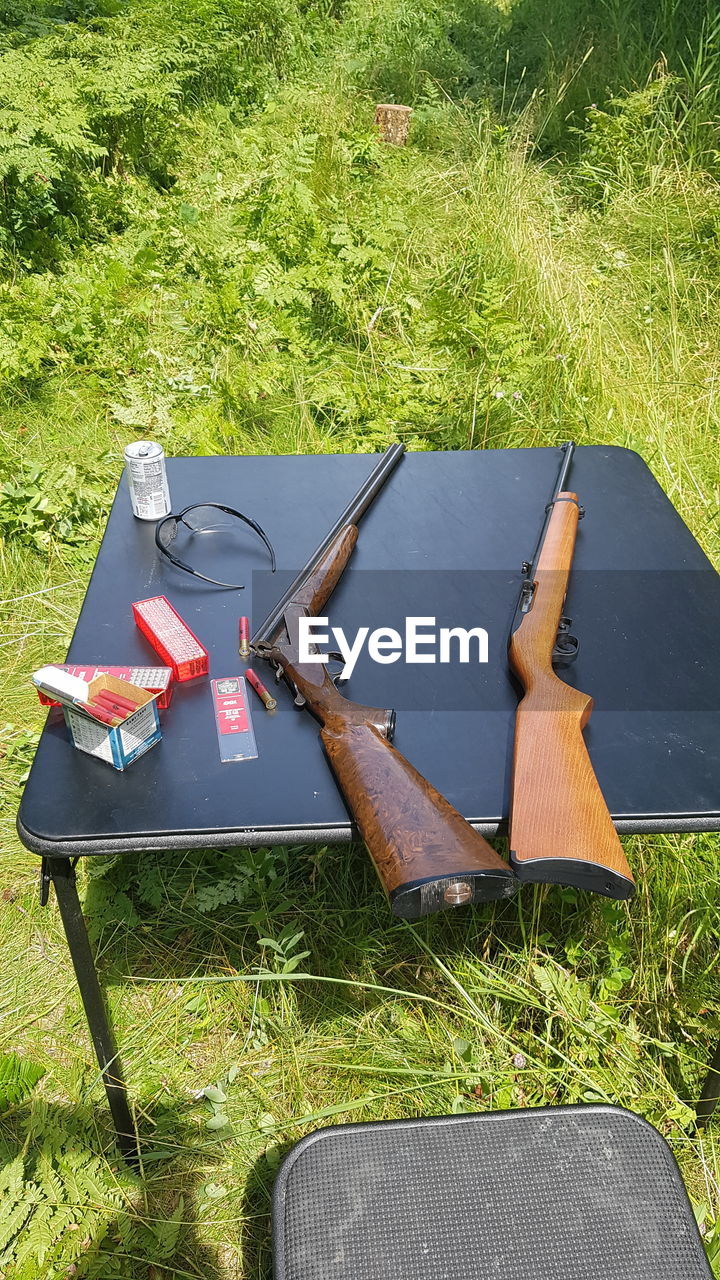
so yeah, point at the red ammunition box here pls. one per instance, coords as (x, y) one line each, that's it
(171, 638)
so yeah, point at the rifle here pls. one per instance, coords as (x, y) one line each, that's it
(426, 855)
(561, 831)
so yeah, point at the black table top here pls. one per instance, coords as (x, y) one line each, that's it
(445, 539)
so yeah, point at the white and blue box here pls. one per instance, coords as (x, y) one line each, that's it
(122, 744)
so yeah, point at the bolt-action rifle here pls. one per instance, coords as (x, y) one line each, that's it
(560, 829)
(426, 855)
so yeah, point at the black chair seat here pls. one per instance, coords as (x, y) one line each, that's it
(558, 1193)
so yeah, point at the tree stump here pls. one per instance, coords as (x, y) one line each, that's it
(393, 122)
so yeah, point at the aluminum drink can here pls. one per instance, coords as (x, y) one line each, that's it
(147, 479)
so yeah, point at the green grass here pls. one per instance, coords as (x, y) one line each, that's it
(530, 267)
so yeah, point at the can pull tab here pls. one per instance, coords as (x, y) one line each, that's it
(565, 649)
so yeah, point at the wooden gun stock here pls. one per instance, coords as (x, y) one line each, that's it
(560, 829)
(425, 853)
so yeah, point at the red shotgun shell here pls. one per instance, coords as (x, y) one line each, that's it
(100, 713)
(115, 702)
(244, 637)
(262, 693)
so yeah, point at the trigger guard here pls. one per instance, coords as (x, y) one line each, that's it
(565, 651)
(336, 676)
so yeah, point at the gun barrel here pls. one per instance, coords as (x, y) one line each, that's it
(353, 512)
(530, 566)
(568, 450)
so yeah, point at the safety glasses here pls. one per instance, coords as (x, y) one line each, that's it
(204, 518)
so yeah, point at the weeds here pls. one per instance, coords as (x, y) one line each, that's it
(203, 241)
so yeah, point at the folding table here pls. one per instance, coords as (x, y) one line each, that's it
(444, 540)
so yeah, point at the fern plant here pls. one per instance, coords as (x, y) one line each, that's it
(57, 1202)
(18, 1077)
(83, 104)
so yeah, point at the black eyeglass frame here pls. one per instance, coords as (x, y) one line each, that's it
(218, 506)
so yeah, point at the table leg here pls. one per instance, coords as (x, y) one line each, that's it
(710, 1095)
(62, 871)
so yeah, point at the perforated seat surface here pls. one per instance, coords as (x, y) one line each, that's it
(560, 1193)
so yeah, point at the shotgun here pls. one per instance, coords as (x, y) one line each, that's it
(426, 855)
(560, 829)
